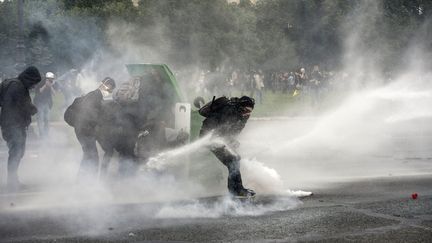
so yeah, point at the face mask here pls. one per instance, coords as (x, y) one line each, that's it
(105, 94)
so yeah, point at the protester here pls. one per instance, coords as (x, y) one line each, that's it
(83, 114)
(15, 118)
(227, 118)
(315, 84)
(258, 86)
(43, 100)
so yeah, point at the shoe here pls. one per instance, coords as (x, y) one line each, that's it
(245, 193)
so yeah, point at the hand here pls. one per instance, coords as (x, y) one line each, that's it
(33, 110)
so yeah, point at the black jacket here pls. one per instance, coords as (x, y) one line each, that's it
(90, 110)
(17, 107)
(226, 122)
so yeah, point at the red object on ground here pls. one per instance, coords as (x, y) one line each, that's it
(414, 196)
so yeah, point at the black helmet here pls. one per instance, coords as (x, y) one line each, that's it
(247, 101)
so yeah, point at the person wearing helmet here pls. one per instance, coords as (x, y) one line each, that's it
(15, 117)
(86, 114)
(225, 119)
(43, 100)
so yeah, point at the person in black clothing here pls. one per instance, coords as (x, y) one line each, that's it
(87, 116)
(44, 92)
(226, 118)
(315, 84)
(15, 118)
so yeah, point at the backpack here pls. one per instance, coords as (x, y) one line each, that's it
(3, 87)
(213, 106)
(128, 92)
(71, 113)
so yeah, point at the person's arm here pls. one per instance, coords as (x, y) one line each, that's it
(54, 89)
(17, 96)
(43, 87)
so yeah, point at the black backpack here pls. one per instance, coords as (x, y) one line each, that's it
(213, 106)
(4, 86)
(72, 112)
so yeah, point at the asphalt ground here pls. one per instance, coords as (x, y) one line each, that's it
(369, 210)
(360, 209)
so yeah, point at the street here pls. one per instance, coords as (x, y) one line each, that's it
(375, 207)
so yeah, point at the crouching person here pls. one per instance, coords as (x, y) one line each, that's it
(16, 112)
(227, 118)
(83, 114)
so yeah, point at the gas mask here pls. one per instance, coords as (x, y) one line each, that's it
(105, 93)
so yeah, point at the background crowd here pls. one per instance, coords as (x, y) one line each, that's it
(311, 83)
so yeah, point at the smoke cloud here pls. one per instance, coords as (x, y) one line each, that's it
(374, 128)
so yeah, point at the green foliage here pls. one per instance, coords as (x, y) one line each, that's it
(40, 54)
(270, 34)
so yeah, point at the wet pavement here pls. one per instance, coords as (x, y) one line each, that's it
(370, 210)
(366, 209)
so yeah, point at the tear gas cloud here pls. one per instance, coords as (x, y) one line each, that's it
(374, 129)
(361, 135)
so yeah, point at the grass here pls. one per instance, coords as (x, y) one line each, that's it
(274, 104)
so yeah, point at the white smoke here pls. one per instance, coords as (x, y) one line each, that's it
(226, 206)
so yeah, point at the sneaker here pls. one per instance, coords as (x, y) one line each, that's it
(246, 193)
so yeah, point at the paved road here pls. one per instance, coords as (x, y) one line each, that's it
(378, 208)
(374, 209)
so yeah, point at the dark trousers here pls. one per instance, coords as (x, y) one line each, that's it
(90, 162)
(232, 161)
(15, 138)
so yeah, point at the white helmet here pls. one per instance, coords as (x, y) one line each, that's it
(49, 75)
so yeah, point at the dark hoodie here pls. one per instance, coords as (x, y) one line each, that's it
(228, 120)
(17, 108)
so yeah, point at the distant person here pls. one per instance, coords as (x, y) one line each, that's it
(83, 114)
(15, 117)
(291, 82)
(226, 118)
(302, 77)
(43, 100)
(67, 83)
(273, 82)
(244, 82)
(315, 84)
(302, 82)
(284, 83)
(258, 86)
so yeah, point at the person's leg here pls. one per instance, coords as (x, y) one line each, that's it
(232, 161)
(40, 121)
(90, 161)
(46, 116)
(15, 138)
(128, 166)
(105, 163)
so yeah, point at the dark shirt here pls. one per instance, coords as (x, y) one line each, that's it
(90, 110)
(17, 108)
(227, 122)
